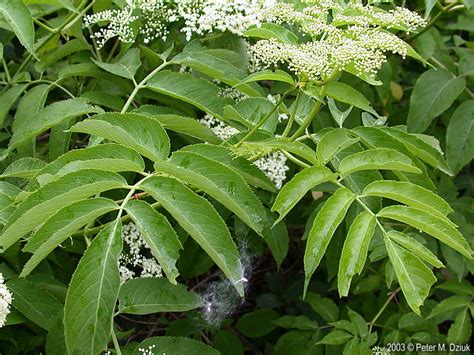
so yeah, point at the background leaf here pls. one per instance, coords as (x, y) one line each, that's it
(21, 22)
(460, 136)
(434, 92)
(151, 295)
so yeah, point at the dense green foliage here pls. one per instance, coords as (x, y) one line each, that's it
(279, 206)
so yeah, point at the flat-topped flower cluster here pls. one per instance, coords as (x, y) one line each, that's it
(152, 18)
(351, 37)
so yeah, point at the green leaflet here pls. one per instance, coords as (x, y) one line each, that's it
(51, 58)
(450, 304)
(324, 306)
(336, 337)
(414, 277)
(251, 174)
(460, 136)
(152, 295)
(158, 234)
(324, 226)
(126, 66)
(271, 30)
(277, 239)
(47, 200)
(23, 168)
(420, 149)
(204, 61)
(198, 92)
(347, 94)
(197, 216)
(377, 159)
(220, 182)
(181, 124)
(251, 111)
(61, 226)
(296, 322)
(51, 116)
(92, 294)
(139, 132)
(277, 75)
(34, 303)
(29, 106)
(257, 323)
(354, 251)
(298, 186)
(374, 137)
(409, 194)
(175, 345)
(296, 148)
(8, 98)
(415, 247)
(111, 157)
(91, 70)
(431, 224)
(461, 330)
(434, 92)
(20, 20)
(332, 143)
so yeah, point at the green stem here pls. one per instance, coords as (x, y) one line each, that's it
(141, 85)
(115, 341)
(42, 25)
(292, 116)
(295, 159)
(264, 119)
(433, 21)
(385, 305)
(310, 117)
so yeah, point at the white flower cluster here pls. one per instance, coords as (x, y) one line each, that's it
(148, 17)
(135, 258)
(147, 351)
(5, 301)
(205, 16)
(274, 166)
(356, 40)
(151, 18)
(219, 128)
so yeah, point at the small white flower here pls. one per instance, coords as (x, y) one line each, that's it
(147, 351)
(282, 117)
(5, 301)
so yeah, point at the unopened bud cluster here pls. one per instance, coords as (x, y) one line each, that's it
(351, 37)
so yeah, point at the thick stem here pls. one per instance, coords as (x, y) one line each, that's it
(310, 117)
(141, 85)
(291, 119)
(385, 305)
(115, 341)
